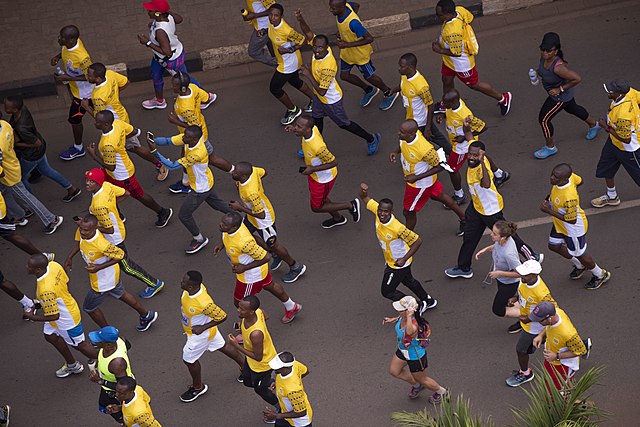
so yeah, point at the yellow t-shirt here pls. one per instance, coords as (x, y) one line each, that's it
(8, 159)
(455, 120)
(285, 36)
(75, 62)
(566, 201)
(113, 151)
(52, 291)
(634, 95)
(529, 296)
(187, 108)
(196, 162)
(106, 96)
(416, 97)
(487, 201)
(562, 337)
(358, 55)
(104, 207)
(3, 205)
(324, 72)
(624, 117)
(394, 237)
(316, 153)
(200, 309)
(268, 350)
(252, 195)
(255, 6)
(97, 250)
(242, 248)
(137, 412)
(452, 38)
(417, 157)
(292, 397)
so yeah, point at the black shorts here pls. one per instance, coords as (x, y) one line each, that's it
(269, 234)
(612, 157)
(279, 80)
(76, 112)
(107, 398)
(525, 343)
(418, 365)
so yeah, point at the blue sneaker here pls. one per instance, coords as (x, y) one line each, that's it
(301, 154)
(368, 97)
(545, 152)
(387, 102)
(372, 147)
(150, 291)
(71, 153)
(593, 132)
(179, 187)
(455, 272)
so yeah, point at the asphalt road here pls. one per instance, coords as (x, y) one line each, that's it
(339, 333)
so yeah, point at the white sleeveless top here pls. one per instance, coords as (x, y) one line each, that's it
(169, 28)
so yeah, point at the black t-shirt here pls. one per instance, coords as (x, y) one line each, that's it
(25, 129)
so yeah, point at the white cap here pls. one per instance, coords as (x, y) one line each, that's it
(277, 363)
(407, 302)
(529, 267)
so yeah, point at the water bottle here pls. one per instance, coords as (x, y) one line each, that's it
(92, 365)
(533, 76)
(245, 12)
(60, 71)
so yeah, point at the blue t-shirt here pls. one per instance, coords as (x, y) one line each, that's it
(355, 25)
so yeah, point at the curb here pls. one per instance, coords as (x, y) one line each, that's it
(226, 56)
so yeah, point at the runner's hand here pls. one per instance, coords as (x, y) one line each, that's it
(393, 157)
(198, 329)
(217, 248)
(143, 38)
(235, 206)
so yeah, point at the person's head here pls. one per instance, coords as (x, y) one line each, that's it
(560, 174)
(242, 171)
(13, 104)
(451, 99)
(408, 130)
(282, 363)
(338, 7)
(192, 135)
(617, 89)
(544, 313)
(407, 64)
(156, 9)
(125, 389)
(276, 12)
(320, 46)
(180, 83)
(550, 46)
(303, 126)
(37, 265)
(529, 271)
(247, 306)
(105, 338)
(104, 120)
(385, 210)
(88, 225)
(446, 10)
(502, 230)
(191, 281)
(68, 36)
(476, 152)
(230, 222)
(96, 73)
(94, 179)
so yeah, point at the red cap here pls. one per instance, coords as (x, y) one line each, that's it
(96, 175)
(161, 6)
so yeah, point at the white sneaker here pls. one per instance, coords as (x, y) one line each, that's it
(66, 370)
(152, 103)
(212, 99)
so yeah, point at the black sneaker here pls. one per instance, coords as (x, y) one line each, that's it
(163, 217)
(460, 231)
(192, 394)
(499, 181)
(330, 223)
(596, 282)
(355, 210)
(309, 107)
(460, 200)
(515, 328)
(70, 197)
(577, 273)
(427, 304)
(195, 245)
(51, 228)
(146, 321)
(290, 116)
(27, 213)
(588, 345)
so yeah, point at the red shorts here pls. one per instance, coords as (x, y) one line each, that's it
(415, 198)
(456, 161)
(245, 289)
(562, 375)
(319, 192)
(469, 77)
(130, 184)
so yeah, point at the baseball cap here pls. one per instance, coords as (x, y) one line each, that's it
(277, 363)
(550, 40)
(529, 267)
(106, 334)
(406, 303)
(95, 174)
(542, 311)
(617, 85)
(161, 6)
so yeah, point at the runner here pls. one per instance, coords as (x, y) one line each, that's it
(260, 217)
(569, 229)
(250, 263)
(102, 260)
(420, 165)
(321, 171)
(411, 351)
(104, 206)
(355, 44)
(458, 46)
(295, 409)
(60, 314)
(117, 164)
(286, 44)
(398, 244)
(559, 82)
(257, 14)
(75, 62)
(135, 408)
(327, 94)
(200, 320)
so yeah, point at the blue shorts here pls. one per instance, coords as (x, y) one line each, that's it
(367, 70)
(576, 246)
(334, 111)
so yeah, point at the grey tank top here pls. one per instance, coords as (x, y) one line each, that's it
(550, 80)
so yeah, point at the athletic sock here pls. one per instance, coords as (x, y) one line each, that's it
(289, 304)
(198, 238)
(498, 173)
(26, 302)
(73, 365)
(527, 372)
(78, 147)
(612, 193)
(576, 262)
(458, 193)
(185, 179)
(368, 89)
(597, 271)
(441, 390)
(417, 386)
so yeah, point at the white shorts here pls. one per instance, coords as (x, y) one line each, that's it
(576, 246)
(73, 336)
(197, 344)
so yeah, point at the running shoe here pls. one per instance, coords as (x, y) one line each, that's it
(368, 96)
(505, 105)
(290, 116)
(5, 411)
(276, 262)
(455, 272)
(538, 257)
(289, 315)
(212, 98)
(499, 181)
(309, 107)
(161, 173)
(192, 394)
(146, 321)
(294, 273)
(436, 398)
(179, 187)
(28, 213)
(545, 152)
(355, 210)
(163, 217)
(428, 304)
(604, 200)
(152, 103)
(67, 370)
(21, 222)
(515, 328)
(195, 245)
(593, 132)
(518, 378)
(388, 101)
(51, 228)
(460, 231)
(596, 282)
(460, 200)
(415, 390)
(72, 153)
(150, 291)
(372, 147)
(70, 197)
(577, 273)
(330, 223)
(588, 345)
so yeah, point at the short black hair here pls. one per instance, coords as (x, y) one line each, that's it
(309, 119)
(128, 382)
(254, 302)
(478, 144)
(235, 218)
(15, 100)
(386, 201)
(410, 59)
(90, 219)
(99, 69)
(183, 78)
(106, 115)
(322, 37)
(447, 6)
(277, 6)
(194, 276)
(70, 31)
(194, 130)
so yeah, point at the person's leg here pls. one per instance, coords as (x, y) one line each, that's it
(376, 81)
(390, 281)
(87, 349)
(105, 400)
(14, 210)
(232, 354)
(337, 113)
(473, 228)
(411, 218)
(14, 292)
(216, 202)
(523, 361)
(487, 89)
(157, 72)
(447, 82)
(524, 249)
(26, 166)
(144, 153)
(631, 162)
(278, 81)
(503, 294)
(550, 108)
(413, 284)
(33, 204)
(357, 130)
(607, 168)
(58, 343)
(257, 52)
(580, 112)
(191, 202)
(131, 268)
(397, 369)
(77, 130)
(133, 302)
(439, 138)
(261, 385)
(195, 370)
(428, 382)
(22, 243)
(448, 201)
(45, 168)
(345, 75)
(298, 83)
(334, 208)
(319, 123)
(282, 252)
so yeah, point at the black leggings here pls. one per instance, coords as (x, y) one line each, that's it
(259, 382)
(352, 127)
(279, 80)
(551, 108)
(505, 291)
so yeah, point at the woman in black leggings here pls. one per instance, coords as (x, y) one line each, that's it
(559, 82)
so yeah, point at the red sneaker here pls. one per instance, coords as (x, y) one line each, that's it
(290, 315)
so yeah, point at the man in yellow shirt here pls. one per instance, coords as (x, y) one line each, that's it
(398, 244)
(622, 147)
(458, 59)
(295, 409)
(355, 44)
(134, 404)
(257, 15)
(568, 237)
